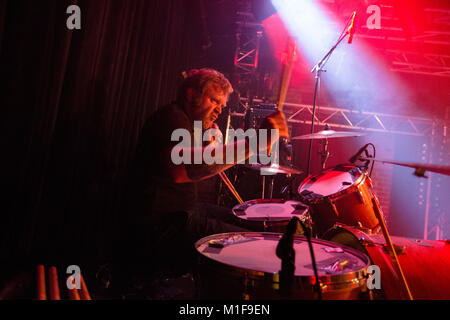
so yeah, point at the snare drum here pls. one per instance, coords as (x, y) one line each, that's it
(340, 194)
(424, 263)
(245, 266)
(271, 215)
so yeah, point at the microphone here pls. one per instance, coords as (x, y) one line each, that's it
(351, 28)
(360, 151)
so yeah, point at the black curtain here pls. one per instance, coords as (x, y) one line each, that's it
(73, 103)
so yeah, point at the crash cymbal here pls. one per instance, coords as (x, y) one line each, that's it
(421, 168)
(327, 134)
(274, 168)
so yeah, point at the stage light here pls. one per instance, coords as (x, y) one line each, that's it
(355, 76)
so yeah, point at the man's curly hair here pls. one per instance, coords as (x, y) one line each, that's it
(198, 79)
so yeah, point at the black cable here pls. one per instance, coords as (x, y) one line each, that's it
(357, 157)
(374, 156)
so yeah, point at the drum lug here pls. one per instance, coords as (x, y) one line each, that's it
(333, 206)
(360, 196)
(369, 182)
(366, 243)
(363, 229)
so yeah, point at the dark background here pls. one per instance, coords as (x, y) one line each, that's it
(73, 103)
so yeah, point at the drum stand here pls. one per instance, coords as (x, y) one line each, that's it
(325, 154)
(264, 187)
(379, 215)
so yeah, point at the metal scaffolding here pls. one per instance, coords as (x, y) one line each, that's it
(361, 120)
(248, 37)
(434, 42)
(426, 64)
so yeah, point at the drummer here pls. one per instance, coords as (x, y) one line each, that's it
(161, 200)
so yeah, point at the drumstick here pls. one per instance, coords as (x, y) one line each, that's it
(72, 292)
(41, 293)
(286, 77)
(391, 246)
(224, 178)
(53, 284)
(84, 293)
(230, 186)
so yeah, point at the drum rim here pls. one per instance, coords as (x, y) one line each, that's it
(328, 283)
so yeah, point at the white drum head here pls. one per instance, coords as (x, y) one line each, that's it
(270, 210)
(257, 252)
(329, 183)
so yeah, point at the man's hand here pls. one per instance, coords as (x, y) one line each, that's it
(275, 120)
(216, 135)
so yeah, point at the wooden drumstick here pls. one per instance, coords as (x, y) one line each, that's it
(53, 284)
(287, 70)
(379, 215)
(84, 293)
(225, 179)
(72, 292)
(41, 292)
(291, 56)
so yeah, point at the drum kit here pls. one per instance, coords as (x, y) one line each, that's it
(347, 236)
(342, 250)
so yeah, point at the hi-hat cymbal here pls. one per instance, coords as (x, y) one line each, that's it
(327, 134)
(274, 168)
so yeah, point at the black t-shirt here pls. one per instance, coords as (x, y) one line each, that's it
(151, 193)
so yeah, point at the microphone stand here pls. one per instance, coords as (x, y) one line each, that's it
(318, 68)
(286, 252)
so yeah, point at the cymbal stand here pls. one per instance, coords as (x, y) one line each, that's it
(263, 187)
(271, 187)
(263, 194)
(325, 154)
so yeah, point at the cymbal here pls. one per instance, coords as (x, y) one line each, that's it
(420, 167)
(327, 134)
(274, 168)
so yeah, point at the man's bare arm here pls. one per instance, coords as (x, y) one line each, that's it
(191, 172)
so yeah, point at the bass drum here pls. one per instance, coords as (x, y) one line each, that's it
(425, 263)
(245, 266)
